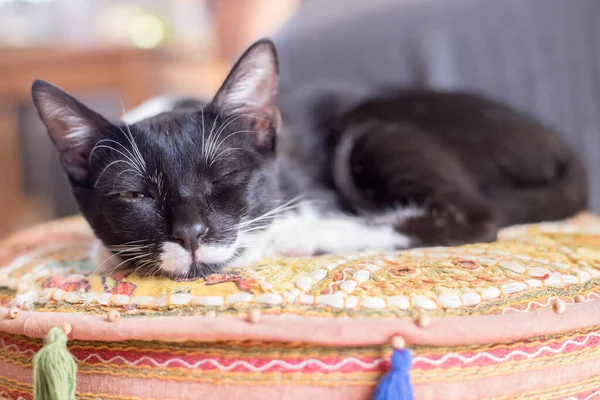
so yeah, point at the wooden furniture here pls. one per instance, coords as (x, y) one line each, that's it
(252, 19)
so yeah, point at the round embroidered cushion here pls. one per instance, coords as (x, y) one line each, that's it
(513, 318)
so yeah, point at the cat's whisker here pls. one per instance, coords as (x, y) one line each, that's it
(258, 219)
(132, 245)
(135, 241)
(256, 228)
(132, 162)
(136, 149)
(228, 122)
(136, 152)
(212, 204)
(108, 166)
(132, 249)
(243, 208)
(132, 140)
(109, 141)
(99, 267)
(212, 269)
(220, 130)
(153, 268)
(125, 261)
(203, 129)
(122, 172)
(243, 225)
(265, 224)
(209, 141)
(289, 205)
(218, 156)
(145, 264)
(218, 146)
(291, 202)
(129, 246)
(129, 254)
(264, 218)
(225, 124)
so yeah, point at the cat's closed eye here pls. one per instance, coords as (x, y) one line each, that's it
(225, 176)
(134, 195)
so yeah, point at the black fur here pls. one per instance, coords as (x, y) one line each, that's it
(473, 164)
(131, 204)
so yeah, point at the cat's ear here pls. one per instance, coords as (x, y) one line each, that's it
(251, 88)
(72, 126)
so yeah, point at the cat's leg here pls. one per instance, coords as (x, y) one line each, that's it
(451, 219)
(308, 233)
(400, 165)
(454, 213)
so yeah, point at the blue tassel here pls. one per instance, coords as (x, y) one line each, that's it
(396, 384)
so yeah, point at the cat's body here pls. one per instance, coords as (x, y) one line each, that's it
(454, 167)
(475, 165)
(307, 215)
(188, 187)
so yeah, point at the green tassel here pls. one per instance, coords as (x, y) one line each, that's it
(54, 369)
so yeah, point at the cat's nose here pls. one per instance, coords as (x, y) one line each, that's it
(189, 236)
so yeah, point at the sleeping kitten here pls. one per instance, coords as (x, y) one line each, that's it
(187, 187)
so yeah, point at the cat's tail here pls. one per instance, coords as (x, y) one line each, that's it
(517, 201)
(343, 178)
(560, 198)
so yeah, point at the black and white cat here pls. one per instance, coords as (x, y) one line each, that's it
(185, 187)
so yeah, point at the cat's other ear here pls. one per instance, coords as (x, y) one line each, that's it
(251, 88)
(73, 127)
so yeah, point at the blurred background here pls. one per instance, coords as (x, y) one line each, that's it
(111, 54)
(542, 56)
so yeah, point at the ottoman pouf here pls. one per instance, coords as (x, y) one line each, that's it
(517, 318)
